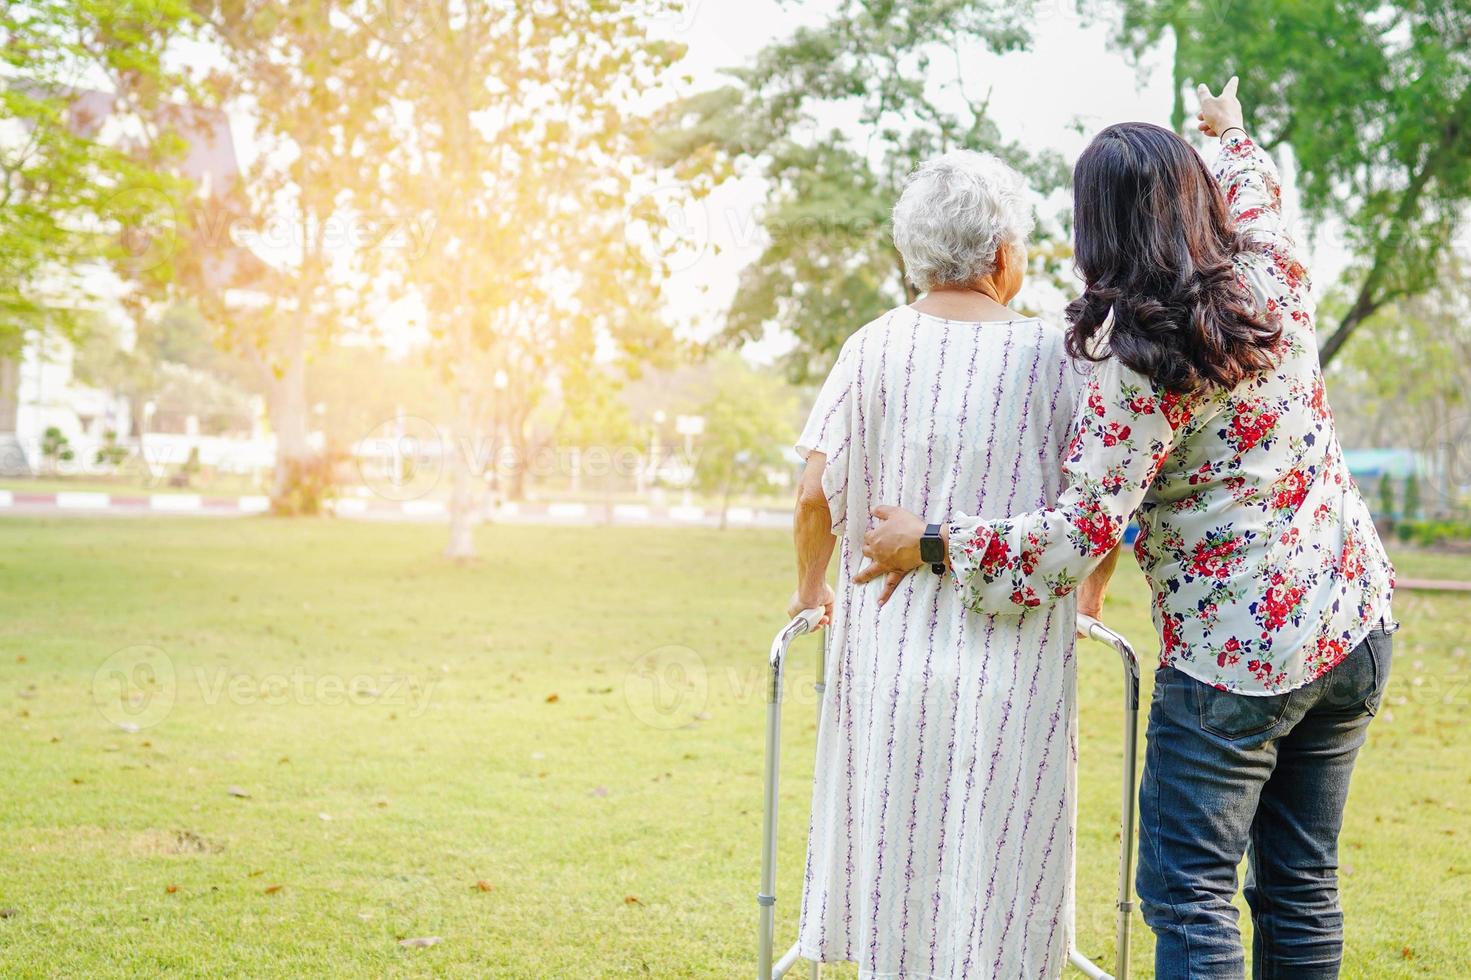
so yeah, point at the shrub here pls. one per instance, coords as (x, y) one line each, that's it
(1430, 533)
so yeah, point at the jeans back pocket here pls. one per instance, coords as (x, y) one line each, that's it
(1234, 716)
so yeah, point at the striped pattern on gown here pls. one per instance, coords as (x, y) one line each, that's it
(943, 807)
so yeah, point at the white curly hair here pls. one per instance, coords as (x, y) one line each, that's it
(954, 213)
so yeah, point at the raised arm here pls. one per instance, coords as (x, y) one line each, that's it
(1249, 181)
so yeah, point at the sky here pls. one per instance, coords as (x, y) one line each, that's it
(1069, 84)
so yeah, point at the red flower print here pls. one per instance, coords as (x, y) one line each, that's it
(1115, 433)
(1290, 491)
(1176, 408)
(1251, 423)
(1280, 603)
(1216, 557)
(1097, 532)
(996, 556)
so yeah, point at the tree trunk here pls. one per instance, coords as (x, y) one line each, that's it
(464, 492)
(286, 405)
(9, 393)
(521, 459)
(1363, 307)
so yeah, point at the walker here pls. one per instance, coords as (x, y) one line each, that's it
(805, 622)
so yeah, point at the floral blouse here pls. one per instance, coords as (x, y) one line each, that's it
(1262, 556)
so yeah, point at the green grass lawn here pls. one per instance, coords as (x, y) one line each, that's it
(576, 723)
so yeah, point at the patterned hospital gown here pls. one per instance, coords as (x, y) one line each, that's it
(941, 842)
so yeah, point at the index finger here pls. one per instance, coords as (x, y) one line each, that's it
(1230, 89)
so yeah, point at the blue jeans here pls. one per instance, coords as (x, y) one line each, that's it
(1268, 776)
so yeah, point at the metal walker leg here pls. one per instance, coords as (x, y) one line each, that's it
(806, 622)
(1124, 904)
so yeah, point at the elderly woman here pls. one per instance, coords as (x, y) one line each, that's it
(942, 811)
(1207, 420)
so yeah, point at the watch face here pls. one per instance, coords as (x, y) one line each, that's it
(931, 547)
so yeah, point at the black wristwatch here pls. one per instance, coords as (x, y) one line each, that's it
(932, 549)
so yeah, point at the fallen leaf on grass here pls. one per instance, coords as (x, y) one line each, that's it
(420, 942)
(631, 900)
(273, 889)
(553, 698)
(1407, 953)
(484, 885)
(238, 793)
(9, 913)
(171, 889)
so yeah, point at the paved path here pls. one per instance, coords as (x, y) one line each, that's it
(88, 503)
(1431, 585)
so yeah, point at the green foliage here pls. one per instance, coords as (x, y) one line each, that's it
(829, 265)
(596, 415)
(1386, 497)
(748, 428)
(1375, 100)
(1412, 496)
(1433, 533)
(111, 453)
(309, 483)
(75, 197)
(1405, 381)
(56, 447)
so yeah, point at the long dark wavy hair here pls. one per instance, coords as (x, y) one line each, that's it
(1153, 242)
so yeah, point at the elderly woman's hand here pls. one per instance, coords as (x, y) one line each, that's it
(892, 546)
(822, 599)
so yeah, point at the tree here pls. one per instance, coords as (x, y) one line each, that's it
(1386, 498)
(1373, 97)
(172, 362)
(517, 142)
(829, 265)
(1406, 381)
(748, 430)
(312, 73)
(1412, 496)
(83, 140)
